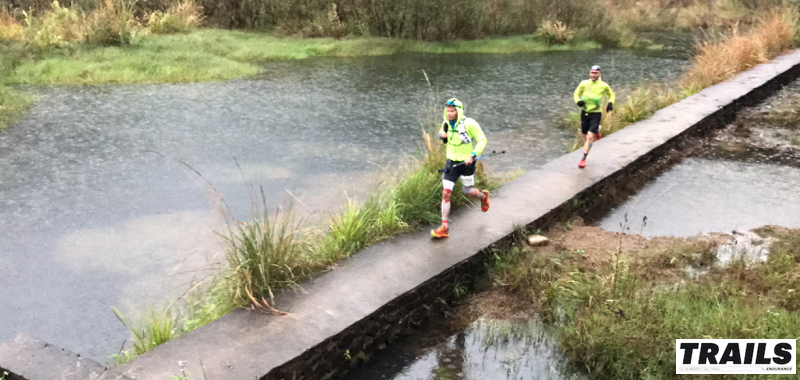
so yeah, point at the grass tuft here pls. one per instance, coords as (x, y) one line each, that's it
(718, 61)
(182, 17)
(12, 106)
(555, 32)
(156, 329)
(263, 255)
(10, 28)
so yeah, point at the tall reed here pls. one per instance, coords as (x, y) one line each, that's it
(736, 52)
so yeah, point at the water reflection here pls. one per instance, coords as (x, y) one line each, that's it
(702, 195)
(486, 349)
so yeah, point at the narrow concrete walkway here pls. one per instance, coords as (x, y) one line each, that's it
(250, 345)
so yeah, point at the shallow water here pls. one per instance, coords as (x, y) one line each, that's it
(114, 195)
(745, 176)
(701, 195)
(487, 349)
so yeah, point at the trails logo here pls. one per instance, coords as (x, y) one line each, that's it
(735, 356)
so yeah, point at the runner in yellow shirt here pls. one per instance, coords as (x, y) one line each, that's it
(589, 96)
(458, 133)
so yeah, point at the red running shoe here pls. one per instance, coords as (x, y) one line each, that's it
(440, 232)
(485, 201)
(582, 164)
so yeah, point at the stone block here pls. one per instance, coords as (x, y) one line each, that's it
(538, 240)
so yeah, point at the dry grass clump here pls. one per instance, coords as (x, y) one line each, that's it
(111, 22)
(10, 28)
(686, 14)
(55, 27)
(555, 32)
(718, 61)
(181, 17)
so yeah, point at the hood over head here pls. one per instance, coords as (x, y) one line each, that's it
(459, 108)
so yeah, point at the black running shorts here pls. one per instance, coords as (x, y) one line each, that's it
(590, 122)
(452, 172)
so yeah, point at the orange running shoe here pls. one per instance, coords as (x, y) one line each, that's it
(582, 164)
(485, 201)
(440, 232)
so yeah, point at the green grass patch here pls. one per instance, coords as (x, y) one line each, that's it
(157, 328)
(622, 330)
(12, 106)
(215, 54)
(618, 317)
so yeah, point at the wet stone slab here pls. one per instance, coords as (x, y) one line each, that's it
(29, 358)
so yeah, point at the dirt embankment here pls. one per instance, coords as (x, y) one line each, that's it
(667, 261)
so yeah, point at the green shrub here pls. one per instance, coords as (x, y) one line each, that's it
(112, 23)
(179, 18)
(54, 28)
